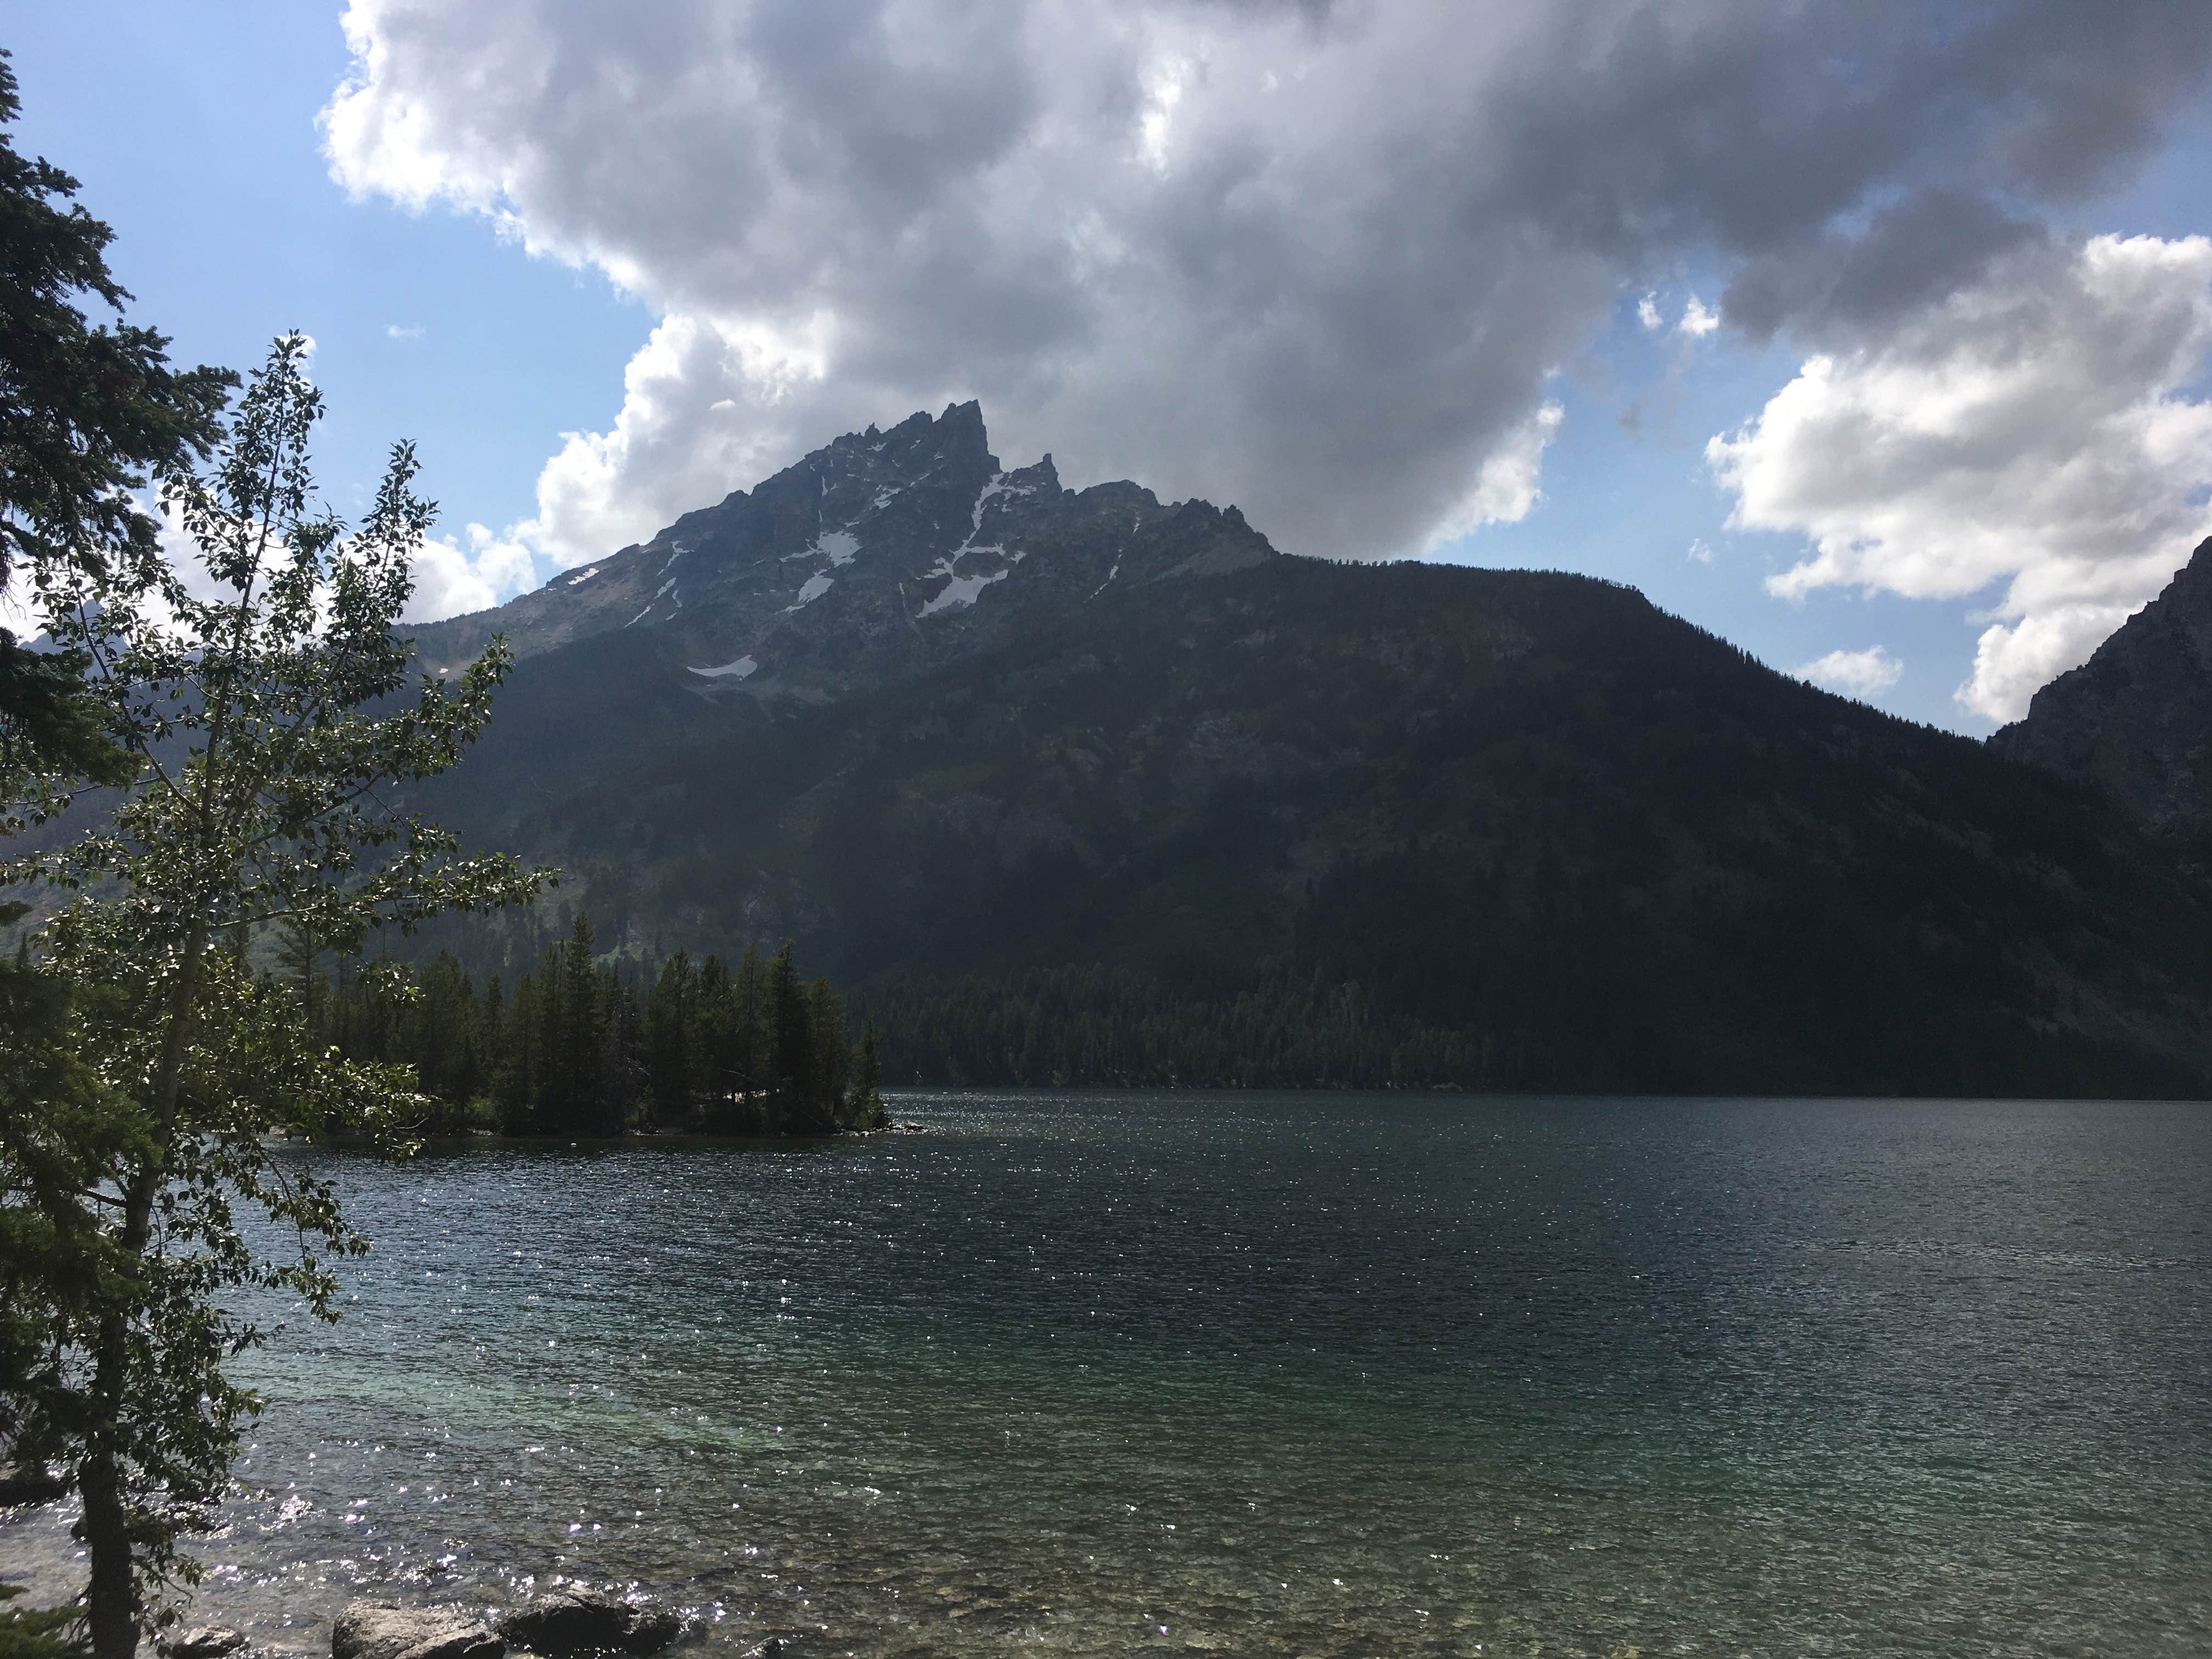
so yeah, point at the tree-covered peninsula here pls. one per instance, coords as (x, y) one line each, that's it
(574, 1048)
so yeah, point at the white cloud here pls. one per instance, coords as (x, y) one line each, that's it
(1697, 321)
(1507, 485)
(1855, 673)
(451, 580)
(2033, 429)
(1314, 257)
(398, 331)
(1647, 312)
(1700, 551)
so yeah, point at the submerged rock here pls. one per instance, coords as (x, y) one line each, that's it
(367, 1631)
(202, 1642)
(30, 1483)
(573, 1620)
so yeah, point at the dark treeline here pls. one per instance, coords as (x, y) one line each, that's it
(573, 1049)
(1305, 1026)
(1093, 1025)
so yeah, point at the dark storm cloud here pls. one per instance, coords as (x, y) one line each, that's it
(1834, 284)
(1318, 258)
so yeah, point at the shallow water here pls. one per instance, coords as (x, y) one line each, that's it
(1300, 1374)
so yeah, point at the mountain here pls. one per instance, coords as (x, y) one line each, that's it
(2135, 720)
(1079, 785)
(864, 565)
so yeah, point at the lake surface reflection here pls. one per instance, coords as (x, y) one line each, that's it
(1301, 1374)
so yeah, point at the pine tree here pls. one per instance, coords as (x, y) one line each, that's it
(580, 1037)
(791, 1031)
(868, 1111)
(672, 1027)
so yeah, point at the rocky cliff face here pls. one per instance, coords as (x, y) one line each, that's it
(2135, 720)
(874, 558)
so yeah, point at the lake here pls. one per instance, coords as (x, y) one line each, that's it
(1330, 1374)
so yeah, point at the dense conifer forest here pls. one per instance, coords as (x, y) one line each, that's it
(576, 1048)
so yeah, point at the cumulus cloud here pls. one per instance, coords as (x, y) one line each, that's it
(1855, 673)
(403, 330)
(451, 580)
(1313, 256)
(2030, 434)
(1647, 312)
(1507, 484)
(1697, 321)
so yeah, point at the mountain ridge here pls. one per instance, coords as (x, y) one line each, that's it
(2135, 720)
(1146, 801)
(867, 559)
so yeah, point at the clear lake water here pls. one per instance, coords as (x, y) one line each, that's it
(1299, 1374)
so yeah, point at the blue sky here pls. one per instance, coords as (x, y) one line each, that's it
(195, 134)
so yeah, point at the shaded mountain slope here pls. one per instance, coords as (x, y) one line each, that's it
(2135, 720)
(1505, 829)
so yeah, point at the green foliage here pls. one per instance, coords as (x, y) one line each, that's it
(39, 1632)
(574, 1051)
(87, 411)
(266, 723)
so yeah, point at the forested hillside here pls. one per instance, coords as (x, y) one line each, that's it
(1303, 823)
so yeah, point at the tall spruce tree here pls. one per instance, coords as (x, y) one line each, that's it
(266, 722)
(87, 412)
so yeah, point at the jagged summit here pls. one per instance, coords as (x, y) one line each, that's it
(2136, 718)
(880, 551)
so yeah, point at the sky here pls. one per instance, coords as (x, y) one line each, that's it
(1876, 338)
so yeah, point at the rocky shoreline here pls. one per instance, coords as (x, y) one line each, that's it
(566, 1622)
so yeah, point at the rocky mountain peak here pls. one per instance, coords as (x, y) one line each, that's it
(881, 551)
(2136, 718)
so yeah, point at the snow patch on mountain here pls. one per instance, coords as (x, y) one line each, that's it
(809, 591)
(961, 591)
(735, 670)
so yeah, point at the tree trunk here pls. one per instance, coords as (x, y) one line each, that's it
(112, 1593)
(111, 1598)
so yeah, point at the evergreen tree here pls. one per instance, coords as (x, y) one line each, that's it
(578, 1035)
(672, 1026)
(790, 1063)
(868, 1111)
(823, 1105)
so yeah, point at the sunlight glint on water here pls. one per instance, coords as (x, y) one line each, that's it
(1277, 1374)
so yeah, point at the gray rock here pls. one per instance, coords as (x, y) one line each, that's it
(573, 1620)
(367, 1631)
(2135, 720)
(29, 1483)
(202, 1642)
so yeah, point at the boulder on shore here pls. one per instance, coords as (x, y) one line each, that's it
(30, 1483)
(201, 1641)
(571, 1620)
(367, 1631)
